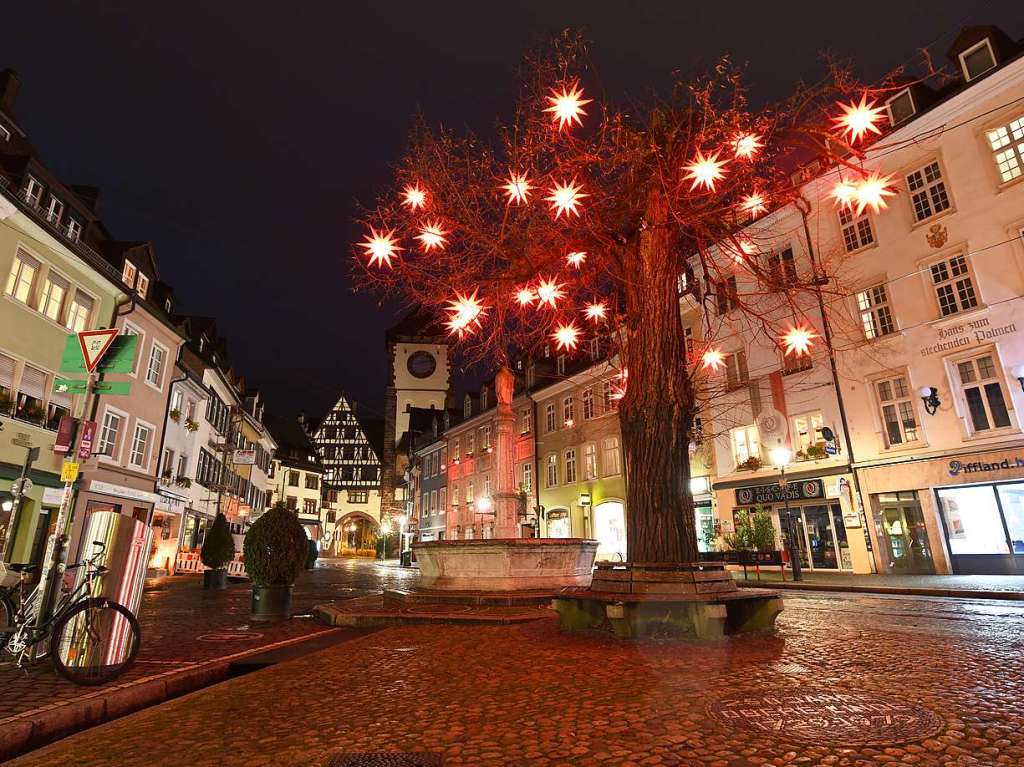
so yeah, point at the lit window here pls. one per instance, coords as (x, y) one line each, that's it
(590, 461)
(129, 273)
(551, 475)
(954, 289)
(469, 491)
(454, 450)
(857, 231)
(927, 191)
(51, 302)
(78, 312)
(875, 312)
(33, 192)
(54, 209)
(978, 60)
(140, 446)
(901, 107)
(570, 466)
(746, 444)
(74, 230)
(549, 417)
(525, 420)
(455, 493)
(155, 369)
(527, 477)
(588, 403)
(485, 437)
(807, 431)
(568, 410)
(1007, 142)
(143, 286)
(22, 277)
(470, 443)
(899, 417)
(610, 458)
(983, 393)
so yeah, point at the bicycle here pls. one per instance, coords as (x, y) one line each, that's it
(92, 640)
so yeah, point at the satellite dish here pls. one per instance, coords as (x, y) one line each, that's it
(772, 427)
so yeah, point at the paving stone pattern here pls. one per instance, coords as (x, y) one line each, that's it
(528, 695)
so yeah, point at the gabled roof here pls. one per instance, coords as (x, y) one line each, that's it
(294, 447)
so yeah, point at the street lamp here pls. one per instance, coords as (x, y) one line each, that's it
(780, 457)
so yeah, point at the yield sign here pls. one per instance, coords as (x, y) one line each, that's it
(95, 344)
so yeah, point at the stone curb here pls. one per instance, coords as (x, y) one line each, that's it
(39, 727)
(891, 590)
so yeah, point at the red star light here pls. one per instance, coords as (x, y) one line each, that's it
(844, 193)
(576, 259)
(872, 191)
(713, 359)
(525, 296)
(595, 312)
(549, 291)
(619, 389)
(464, 314)
(381, 247)
(432, 236)
(747, 145)
(858, 119)
(743, 249)
(799, 340)
(754, 204)
(567, 106)
(705, 171)
(567, 337)
(565, 198)
(517, 189)
(414, 197)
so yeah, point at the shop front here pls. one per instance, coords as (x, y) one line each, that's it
(961, 513)
(707, 530)
(25, 528)
(168, 515)
(99, 495)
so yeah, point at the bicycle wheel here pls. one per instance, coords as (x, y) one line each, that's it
(95, 641)
(6, 619)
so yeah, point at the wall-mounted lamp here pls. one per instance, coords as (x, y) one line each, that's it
(1018, 373)
(930, 396)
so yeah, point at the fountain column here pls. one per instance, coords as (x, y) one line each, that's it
(505, 492)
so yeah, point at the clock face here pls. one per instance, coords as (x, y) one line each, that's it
(422, 364)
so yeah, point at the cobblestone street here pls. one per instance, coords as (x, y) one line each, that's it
(847, 680)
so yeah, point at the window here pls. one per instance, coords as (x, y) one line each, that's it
(442, 500)
(487, 486)
(525, 420)
(309, 506)
(726, 295)
(527, 484)
(175, 397)
(354, 496)
(588, 403)
(31, 392)
(781, 267)
(590, 461)
(570, 466)
(22, 277)
(594, 348)
(455, 493)
(795, 363)
(610, 456)
(168, 465)
(467, 407)
(483, 399)
(51, 302)
(736, 374)
(182, 465)
(875, 313)
(469, 491)
(531, 376)
(1007, 142)
(568, 410)
(5, 135)
(977, 60)
(470, 443)
(455, 449)
(433, 502)
(312, 482)
(857, 232)
(983, 393)
(74, 230)
(140, 446)
(901, 107)
(143, 285)
(108, 434)
(129, 273)
(78, 312)
(485, 437)
(953, 286)
(609, 396)
(54, 210)
(927, 191)
(33, 191)
(746, 444)
(155, 369)
(899, 418)
(293, 479)
(688, 343)
(551, 472)
(807, 431)
(549, 417)
(560, 365)
(291, 503)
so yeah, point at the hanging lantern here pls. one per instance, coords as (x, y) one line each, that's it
(567, 337)
(549, 291)
(517, 189)
(713, 359)
(567, 106)
(576, 259)
(799, 340)
(754, 204)
(414, 197)
(565, 198)
(464, 314)
(381, 247)
(858, 119)
(596, 311)
(747, 145)
(872, 191)
(432, 236)
(705, 171)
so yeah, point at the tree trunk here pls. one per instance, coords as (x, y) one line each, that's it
(656, 413)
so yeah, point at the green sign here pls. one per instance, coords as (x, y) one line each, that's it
(118, 359)
(112, 387)
(69, 386)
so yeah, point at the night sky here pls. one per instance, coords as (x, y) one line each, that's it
(237, 136)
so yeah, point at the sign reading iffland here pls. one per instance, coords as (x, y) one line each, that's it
(957, 467)
(829, 718)
(810, 489)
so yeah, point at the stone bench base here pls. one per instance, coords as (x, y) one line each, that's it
(699, 616)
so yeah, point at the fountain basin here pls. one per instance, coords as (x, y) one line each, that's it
(505, 564)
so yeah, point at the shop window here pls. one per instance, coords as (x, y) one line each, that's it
(954, 288)
(875, 311)
(898, 411)
(1007, 143)
(746, 445)
(983, 393)
(928, 194)
(973, 522)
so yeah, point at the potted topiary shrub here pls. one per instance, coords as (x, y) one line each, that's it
(275, 553)
(218, 549)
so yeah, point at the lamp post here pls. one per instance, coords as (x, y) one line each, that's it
(781, 457)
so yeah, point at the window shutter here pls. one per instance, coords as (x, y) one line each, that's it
(6, 371)
(33, 382)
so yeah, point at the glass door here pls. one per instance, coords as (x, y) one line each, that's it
(1011, 501)
(821, 541)
(904, 539)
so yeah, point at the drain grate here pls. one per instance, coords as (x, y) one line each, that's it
(385, 759)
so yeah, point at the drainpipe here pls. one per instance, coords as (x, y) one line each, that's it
(804, 207)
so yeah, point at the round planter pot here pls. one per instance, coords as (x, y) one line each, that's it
(215, 579)
(271, 603)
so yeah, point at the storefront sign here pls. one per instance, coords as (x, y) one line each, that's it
(21, 439)
(967, 334)
(65, 433)
(243, 457)
(958, 467)
(106, 488)
(810, 489)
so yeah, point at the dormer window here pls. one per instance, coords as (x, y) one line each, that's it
(560, 365)
(129, 274)
(33, 191)
(54, 209)
(143, 285)
(483, 399)
(901, 107)
(74, 230)
(467, 407)
(977, 60)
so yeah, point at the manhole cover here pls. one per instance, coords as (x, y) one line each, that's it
(229, 636)
(385, 760)
(838, 719)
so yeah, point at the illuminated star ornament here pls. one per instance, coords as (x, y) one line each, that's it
(432, 236)
(567, 106)
(747, 145)
(596, 311)
(799, 340)
(464, 314)
(743, 250)
(576, 259)
(414, 197)
(705, 171)
(549, 291)
(381, 247)
(872, 191)
(754, 204)
(567, 337)
(713, 359)
(844, 193)
(517, 189)
(619, 389)
(858, 119)
(565, 198)
(526, 296)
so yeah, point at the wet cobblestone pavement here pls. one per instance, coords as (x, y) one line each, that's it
(846, 680)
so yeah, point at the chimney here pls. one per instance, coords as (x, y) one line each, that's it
(9, 85)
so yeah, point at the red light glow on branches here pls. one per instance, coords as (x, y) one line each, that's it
(799, 340)
(713, 359)
(414, 197)
(517, 189)
(381, 247)
(432, 236)
(567, 337)
(576, 259)
(618, 389)
(705, 171)
(567, 106)
(747, 145)
(596, 311)
(464, 314)
(565, 198)
(549, 291)
(858, 119)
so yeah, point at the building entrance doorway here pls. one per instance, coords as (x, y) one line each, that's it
(903, 535)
